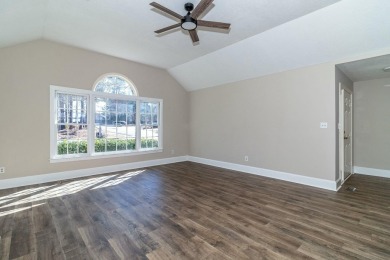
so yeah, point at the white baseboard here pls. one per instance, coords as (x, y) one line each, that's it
(339, 183)
(58, 176)
(315, 182)
(372, 171)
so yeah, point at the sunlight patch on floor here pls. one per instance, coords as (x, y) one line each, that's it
(25, 192)
(12, 211)
(118, 180)
(59, 190)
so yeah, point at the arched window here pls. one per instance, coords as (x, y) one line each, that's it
(95, 124)
(115, 84)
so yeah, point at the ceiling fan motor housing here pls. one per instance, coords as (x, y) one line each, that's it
(189, 7)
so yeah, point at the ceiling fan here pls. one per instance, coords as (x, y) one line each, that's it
(190, 21)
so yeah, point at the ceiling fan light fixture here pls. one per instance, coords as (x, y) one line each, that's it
(188, 23)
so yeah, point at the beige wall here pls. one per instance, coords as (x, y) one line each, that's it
(272, 119)
(27, 70)
(372, 124)
(275, 120)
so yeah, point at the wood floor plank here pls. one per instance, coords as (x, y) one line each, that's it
(46, 238)
(125, 247)
(48, 247)
(218, 242)
(97, 244)
(5, 245)
(193, 211)
(22, 241)
(66, 221)
(6, 227)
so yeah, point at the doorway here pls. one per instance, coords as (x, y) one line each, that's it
(345, 133)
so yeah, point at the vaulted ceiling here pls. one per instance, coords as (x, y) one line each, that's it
(266, 36)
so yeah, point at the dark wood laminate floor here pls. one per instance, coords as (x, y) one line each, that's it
(192, 211)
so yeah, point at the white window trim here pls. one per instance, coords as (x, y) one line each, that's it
(54, 158)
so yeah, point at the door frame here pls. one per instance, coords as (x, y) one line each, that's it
(342, 90)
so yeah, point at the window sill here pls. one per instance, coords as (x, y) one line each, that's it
(70, 158)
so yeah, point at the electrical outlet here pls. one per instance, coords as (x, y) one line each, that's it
(246, 158)
(172, 151)
(2, 169)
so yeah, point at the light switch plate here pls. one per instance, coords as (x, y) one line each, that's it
(324, 125)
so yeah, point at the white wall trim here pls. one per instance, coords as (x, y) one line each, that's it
(372, 171)
(58, 176)
(339, 183)
(315, 182)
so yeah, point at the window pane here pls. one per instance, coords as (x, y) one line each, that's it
(83, 117)
(83, 146)
(61, 116)
(115, 84)
(100, 118)
(100, 104)
(150, 124)
(147, 107)
(131, 137)
(111, 145)
(143, 108)
(130, 132)
(111, 118)
(126, 138)
(149, 137)
(131, 144)
(100, 145)
(131, 119)
(114, 126)
(72, 139)
(72, 130)
(149, 143)
(131, 106)
(82, 132)
(148, 119)
(62, 147)
(121, 106)
(155, 119)
(154, 108)
(82, 136)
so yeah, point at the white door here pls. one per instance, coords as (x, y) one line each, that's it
(345, 134)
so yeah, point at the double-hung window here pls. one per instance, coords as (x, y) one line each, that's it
(109, 121)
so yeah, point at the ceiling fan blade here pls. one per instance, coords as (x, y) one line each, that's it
(214, 24)
(168, 28)
(166, 10)
(194, 36)
(200, 8)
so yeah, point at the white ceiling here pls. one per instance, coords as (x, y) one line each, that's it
(266, 36)
(344, 29)
(366, 69)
